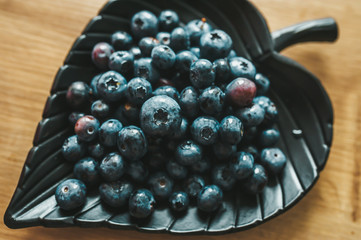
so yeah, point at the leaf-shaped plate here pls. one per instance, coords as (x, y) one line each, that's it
(305, 124)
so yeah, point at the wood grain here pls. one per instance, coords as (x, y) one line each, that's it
(36, 35)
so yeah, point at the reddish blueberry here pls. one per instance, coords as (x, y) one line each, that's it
(86, 128)
(240, 92)
(101, 53)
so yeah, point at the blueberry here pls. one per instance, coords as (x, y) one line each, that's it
(201, 166)
(212, 101)
(74, 117)
(112, 167)
(223, 71)
(122, 62)
(111, 86)
(250, 134)
(252, 150)
(232, 54)
(100, 109)
(121, 40)
(180, 81)
(116, 194)
(182, 132)
(215, 44)
(188, 101)
(141, 203)
(193, 185)
(93, 85)
(268, 137)
(196, 51)
(164, 82)
(161, 185)
(144, 24)
(188, 153)
(87, 170)
(100, 55)
(263, 101)
(160, 116)
(223, 151)
(86, 128)
(202, 74)
(184, 60)
(108, 132)
(231, 130)
(196, 28)
(262, 83)
(179, 201)
(257, 181)
(70, 194)
(156, 160)
(210, 198)
(176, 170)
(136, 52)
(223, 177)
(77, 95)
(171, 145)
(204, 130)
(240, 92)
(273, 159)
(242, 165)
(127, 114)
(251, 116)
(147, 44)
(163, 38)
(271, 114)
(137, 171)
(138, 91)
(72, 149)
(132, 143)
(241, 67)
(168, 20)
(96, 151)
(179, 39)
(144, 68)
(163, 57)
(168, 91)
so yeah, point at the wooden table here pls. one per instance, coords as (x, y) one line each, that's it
(35, 37)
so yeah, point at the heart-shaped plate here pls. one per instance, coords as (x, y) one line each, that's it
(305, 124)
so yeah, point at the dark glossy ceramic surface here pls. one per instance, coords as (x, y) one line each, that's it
(305, 124)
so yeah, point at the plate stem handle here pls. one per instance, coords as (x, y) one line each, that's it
(320, 30)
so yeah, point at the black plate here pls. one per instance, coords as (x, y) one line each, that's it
(305, 124)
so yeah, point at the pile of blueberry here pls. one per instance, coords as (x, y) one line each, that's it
(175, 117)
